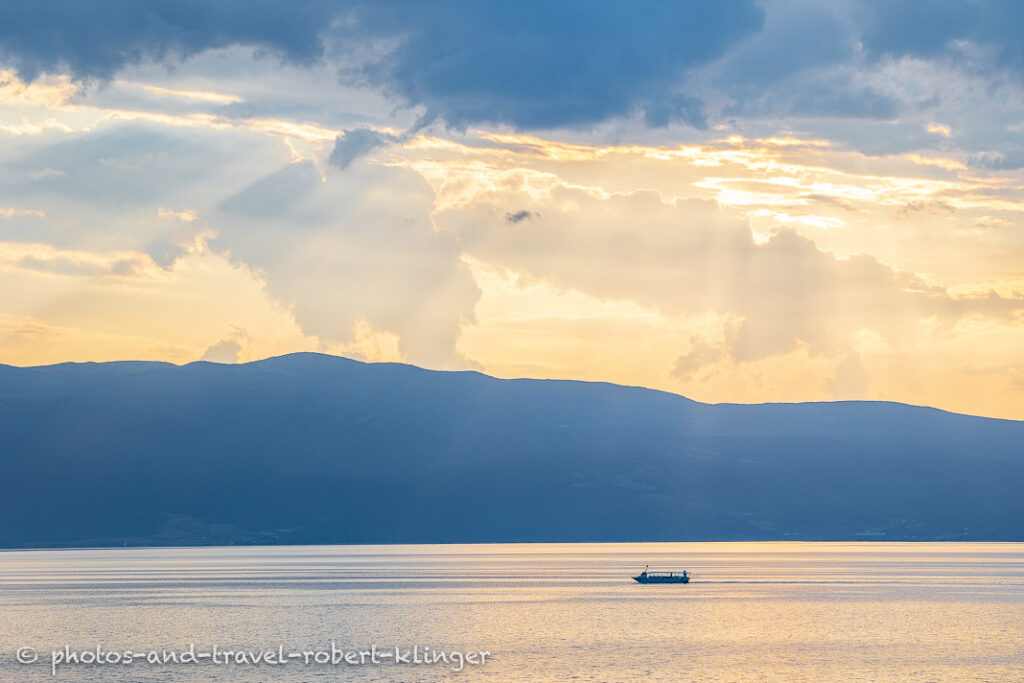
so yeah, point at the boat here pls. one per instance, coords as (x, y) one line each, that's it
(662, 577)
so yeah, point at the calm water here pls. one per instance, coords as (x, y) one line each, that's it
(755, 611)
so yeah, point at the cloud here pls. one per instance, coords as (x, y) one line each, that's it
(9, 212)
(569, 64)
(797, 35)
(229, 349)
(358, 252)
(830, 96)
(519, 216)
(90, 312)
(46, 258)
(224, 351)
(357, 143)
(1009, 160)
(561, 64)
(987, 223)
(803, 62)
(52, 91)
(194, 95)
(689, 257)
(701, 355)
(184, 216)
(131, 184)
(978, 32)
(116, 162)
(96, 38)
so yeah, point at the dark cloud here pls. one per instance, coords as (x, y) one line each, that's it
(852, 102)
(96, 38)
(826, 96)
(357, 143)
(805, 61)
(672, 108)
(797, 35)
(538, 65)
(518, 216)
(526, 64)
(938, 28)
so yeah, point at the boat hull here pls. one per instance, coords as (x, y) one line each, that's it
(661, 579)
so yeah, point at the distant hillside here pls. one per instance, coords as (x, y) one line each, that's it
(309, 448)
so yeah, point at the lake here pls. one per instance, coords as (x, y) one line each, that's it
(532, 612)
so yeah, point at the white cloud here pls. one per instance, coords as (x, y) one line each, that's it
(9, 212)
(184, 216)
(197, 95)
(361, 248)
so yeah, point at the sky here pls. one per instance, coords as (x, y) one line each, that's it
(736, 201)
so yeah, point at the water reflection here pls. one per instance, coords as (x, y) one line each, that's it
(755, 611)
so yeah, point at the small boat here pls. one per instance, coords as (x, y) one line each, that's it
(662, 577)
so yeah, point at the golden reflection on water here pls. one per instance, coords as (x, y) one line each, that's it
(754, 612)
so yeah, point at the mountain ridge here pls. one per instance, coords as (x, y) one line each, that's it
(312, 448)
(331, 357)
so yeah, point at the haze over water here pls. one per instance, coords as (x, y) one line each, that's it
(754, 612)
